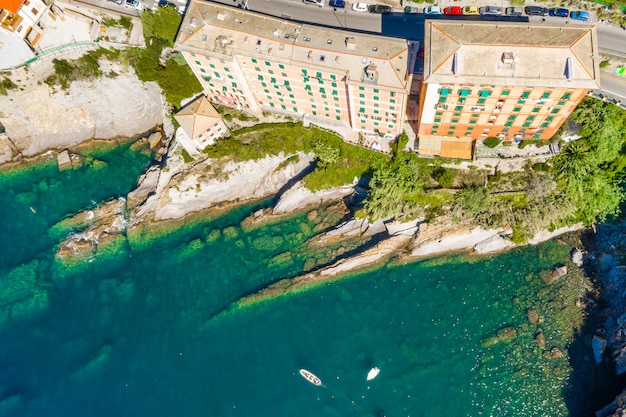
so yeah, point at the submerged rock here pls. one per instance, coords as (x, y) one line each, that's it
(502, 335)
(557, 273)
(533, 316)
(598, 344)
(540, 339)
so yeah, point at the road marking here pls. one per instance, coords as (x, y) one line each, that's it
(619, 80)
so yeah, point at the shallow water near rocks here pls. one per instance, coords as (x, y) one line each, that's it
(140, 334)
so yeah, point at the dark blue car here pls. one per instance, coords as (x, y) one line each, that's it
(558, 12)
(337, 4)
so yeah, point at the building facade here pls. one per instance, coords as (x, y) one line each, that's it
(513, 81)
(22, 17)
(261, 64)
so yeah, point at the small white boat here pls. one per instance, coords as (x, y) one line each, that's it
(373, 373)
(309, 376)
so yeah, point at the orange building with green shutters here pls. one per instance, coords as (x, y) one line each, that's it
(513, 81)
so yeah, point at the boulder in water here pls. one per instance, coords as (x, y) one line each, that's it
(533, 316)
(558, 272)
(577, 257)
(598, 344)
(540, 339)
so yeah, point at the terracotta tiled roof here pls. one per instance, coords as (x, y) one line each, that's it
(197, 117)
(11, 5)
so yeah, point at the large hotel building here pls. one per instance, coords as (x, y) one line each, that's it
(480, 79)
(259, 63)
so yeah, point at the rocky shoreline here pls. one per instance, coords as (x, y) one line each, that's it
(50, 123)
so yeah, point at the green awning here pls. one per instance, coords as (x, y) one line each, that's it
(444, 92)
(464, 92)
(485, 93)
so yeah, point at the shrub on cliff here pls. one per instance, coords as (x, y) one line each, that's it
(492, 142)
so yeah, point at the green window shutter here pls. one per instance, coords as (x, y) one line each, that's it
(376, 90)
(536, 110)
(304, 72)
(198, 63)
(554, 111)
(334, 85)
(361, 95)
(444, 92)
(260, 77)
(318, 74)
(281, 66)
(544, 125)
(207, 78)
(361, 88)
(464, 92)
(459, 108)
(566, 96)
(505, 92)
(322, 90)
(527, 124)
(335, 92)
(481, 101)
(512, 117)
(226, 69)
(333, 77)
(362, 110)
(267, 63)
(307, 87)
(545, 95)
(286, 82)
(485, 93)
(508, 124)
(202, 70)
(437, 120)
(254, 61)
(517, 109)
(550, 118)
(525, 94)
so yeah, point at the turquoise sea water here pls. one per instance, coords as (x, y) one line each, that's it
(140, 334)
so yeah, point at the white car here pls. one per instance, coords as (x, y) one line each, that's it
(359, 7)
(432, 10)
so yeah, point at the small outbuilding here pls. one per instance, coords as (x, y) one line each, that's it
(201, 123)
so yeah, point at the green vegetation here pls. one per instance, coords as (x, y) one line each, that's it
(338, 162)
(172, 74)
(5, 85)
(86, 67)
(605, 63)
(492, 142)
(404, 188)
(124, 21)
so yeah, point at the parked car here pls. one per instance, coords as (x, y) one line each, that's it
(579, 15)
(165, 3)
(411, 10)
(559, 12)
(319, 3)
(490, 11)
(513, 11)
(535, 11)
(432, 10)
(453, 10)
(133, 4)
(470, 11)
(379, 8)
(359, 7)
(337, 4)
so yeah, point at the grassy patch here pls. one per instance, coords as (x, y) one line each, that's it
(5, 85)
(261, 140)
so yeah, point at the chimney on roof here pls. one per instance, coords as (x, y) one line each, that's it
(568, 69)
(221, 15)
(508, 58)
(455, 65)
(350, 43)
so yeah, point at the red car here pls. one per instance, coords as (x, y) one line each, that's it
(453, 10)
